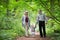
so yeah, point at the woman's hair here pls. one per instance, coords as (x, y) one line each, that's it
(26, 12)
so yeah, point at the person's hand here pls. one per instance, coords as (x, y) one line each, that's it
(45, 23)
(35, 26)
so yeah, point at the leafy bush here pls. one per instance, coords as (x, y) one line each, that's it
(7, 35)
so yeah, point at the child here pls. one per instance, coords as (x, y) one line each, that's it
(32, 28)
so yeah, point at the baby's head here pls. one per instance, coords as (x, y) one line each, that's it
(32, 25)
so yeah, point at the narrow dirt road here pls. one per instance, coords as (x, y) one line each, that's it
(37, 37)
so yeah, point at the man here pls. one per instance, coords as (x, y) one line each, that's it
(41, 21)
(26, 22)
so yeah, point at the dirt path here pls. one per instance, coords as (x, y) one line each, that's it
(37, 37)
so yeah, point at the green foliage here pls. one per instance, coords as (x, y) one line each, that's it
(7, 35)
(11, 12)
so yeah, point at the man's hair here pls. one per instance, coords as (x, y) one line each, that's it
(40, 10)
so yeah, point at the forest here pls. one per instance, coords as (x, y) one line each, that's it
(11, 12)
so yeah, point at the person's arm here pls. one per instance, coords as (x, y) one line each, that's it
(23, 21)
(29, 22)
(37, 19)
(45, 19)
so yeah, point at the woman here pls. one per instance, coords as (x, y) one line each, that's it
(26, 22)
